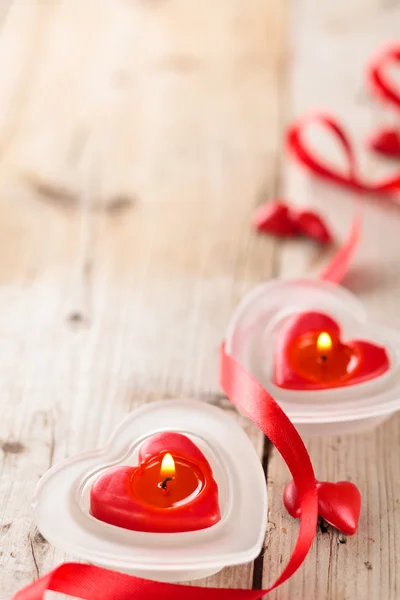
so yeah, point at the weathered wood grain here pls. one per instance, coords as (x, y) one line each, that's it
(135, 140)
(127, 186)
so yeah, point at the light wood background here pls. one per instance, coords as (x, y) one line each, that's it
(136, 139)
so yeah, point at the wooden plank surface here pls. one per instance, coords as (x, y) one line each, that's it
(331, 44)
(118, 278)
(136, 139)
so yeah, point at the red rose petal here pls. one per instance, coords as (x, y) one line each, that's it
(310, 224)
(386, 142)
(275, 218)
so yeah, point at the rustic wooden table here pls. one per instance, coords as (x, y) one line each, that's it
(136, 139)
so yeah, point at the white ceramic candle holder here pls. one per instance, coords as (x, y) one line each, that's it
(251, 340)
(62, 509)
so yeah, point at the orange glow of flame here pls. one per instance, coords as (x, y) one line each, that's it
(167, 466)
(324, 342)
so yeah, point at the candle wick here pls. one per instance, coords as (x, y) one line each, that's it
(323, 358)
(164, 483)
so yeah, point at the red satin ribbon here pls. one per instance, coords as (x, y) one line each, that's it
(351, 179)
(337, 268)
(297, 146)
(94, 583)
(377, 74)
(339, 265)
(386, 140)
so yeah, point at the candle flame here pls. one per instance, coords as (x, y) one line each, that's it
(324, 342)
(167, 466)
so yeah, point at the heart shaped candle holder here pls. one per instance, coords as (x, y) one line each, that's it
(350, 385)
(85, 504)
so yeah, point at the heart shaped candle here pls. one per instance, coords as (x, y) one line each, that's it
(172, 490)
(310, 355)
(128, 483)
(310, 344)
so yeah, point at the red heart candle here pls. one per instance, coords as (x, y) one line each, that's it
(172, 490)
(310, 355)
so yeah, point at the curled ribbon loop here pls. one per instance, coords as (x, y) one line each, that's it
(337, 268)
(386, 141)
(377, 74)
(352, 180)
